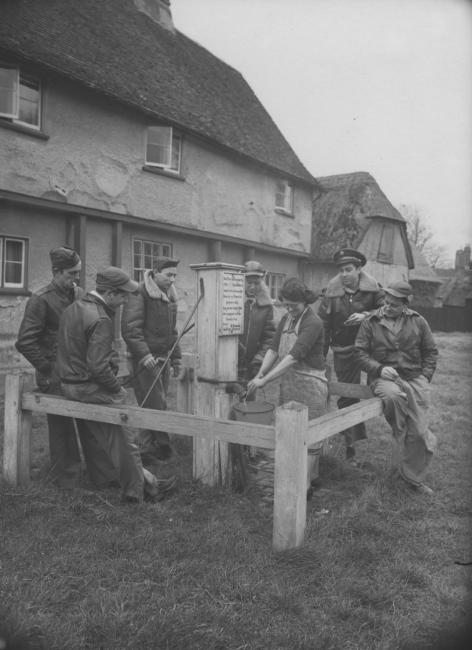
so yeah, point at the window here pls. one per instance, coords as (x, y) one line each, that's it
(145, 254)
(385, 253)
(20, 97)
(275, 281)
(163, 148)
(12, 263)
(284, 196)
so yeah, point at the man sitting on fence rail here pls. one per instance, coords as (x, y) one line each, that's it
(87, 366)
(396, 348)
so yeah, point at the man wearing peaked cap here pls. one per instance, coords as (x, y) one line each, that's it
(149, 328)
(87, 365)
(37, 342)
(349, 256)
(349, 297)
(395, 347)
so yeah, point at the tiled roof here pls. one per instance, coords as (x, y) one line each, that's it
(112, 47)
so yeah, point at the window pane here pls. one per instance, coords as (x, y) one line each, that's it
(29, 100)
(9, 91)
(14, 262)
(159, 145)
(176, 144)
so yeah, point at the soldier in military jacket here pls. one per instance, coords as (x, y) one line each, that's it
(37, 342)
(349, 298)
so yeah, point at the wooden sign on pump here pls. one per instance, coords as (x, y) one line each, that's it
(219, 322)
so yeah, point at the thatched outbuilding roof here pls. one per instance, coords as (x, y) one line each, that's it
(343, 206)
(119, 51)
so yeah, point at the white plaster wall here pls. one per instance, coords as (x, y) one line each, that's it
(94, 158)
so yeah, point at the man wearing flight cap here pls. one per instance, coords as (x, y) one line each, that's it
(396, 348)
(350, 296)
(37, 342)
(259, 328)
(149, 328)
(87, 365)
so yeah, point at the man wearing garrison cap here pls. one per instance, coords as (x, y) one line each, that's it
(87, 365)
(149, 328)
(350, 296)
(37, 342)
(395, 347)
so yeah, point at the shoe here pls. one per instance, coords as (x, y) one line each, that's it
(160, 490)
(422, 489)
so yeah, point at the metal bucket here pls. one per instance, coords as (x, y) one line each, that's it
(255, 412)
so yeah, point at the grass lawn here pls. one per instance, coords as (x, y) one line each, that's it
(378, 570)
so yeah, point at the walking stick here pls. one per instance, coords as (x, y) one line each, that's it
(184, 329)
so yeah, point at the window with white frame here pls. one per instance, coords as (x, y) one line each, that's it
(20, 96)
(12, 262)
(145, 254)
(274, 281)
(284, 196)
(163, 148)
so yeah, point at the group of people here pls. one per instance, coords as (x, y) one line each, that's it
(369, 329)
(68, 337)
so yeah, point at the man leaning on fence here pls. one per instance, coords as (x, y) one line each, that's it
(149, 328)
(37, 342)
(396, 348)
(88, 365)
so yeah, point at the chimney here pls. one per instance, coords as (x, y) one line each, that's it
(158, 11)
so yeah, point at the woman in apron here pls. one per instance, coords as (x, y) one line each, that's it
(296, 357)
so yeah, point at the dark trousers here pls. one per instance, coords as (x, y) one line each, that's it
(64, 449)
(116, 442)
(349, 371)
(143, 378)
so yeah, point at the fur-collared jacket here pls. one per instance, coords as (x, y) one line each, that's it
(259, 329)
(337, 305)
(149, 321)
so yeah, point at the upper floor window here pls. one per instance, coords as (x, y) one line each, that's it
(274, 281)
(12, 263)
(145, 254)
(163, 148)
(284, 196)
(20, 96)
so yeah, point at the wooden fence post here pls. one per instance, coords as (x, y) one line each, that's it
(290, 475)
(17, 434)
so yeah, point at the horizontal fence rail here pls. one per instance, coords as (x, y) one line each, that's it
(196, 426)
(290, 437)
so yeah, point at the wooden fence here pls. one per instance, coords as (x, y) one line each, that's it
(290, 437)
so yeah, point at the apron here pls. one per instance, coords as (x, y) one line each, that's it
(300, 383)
